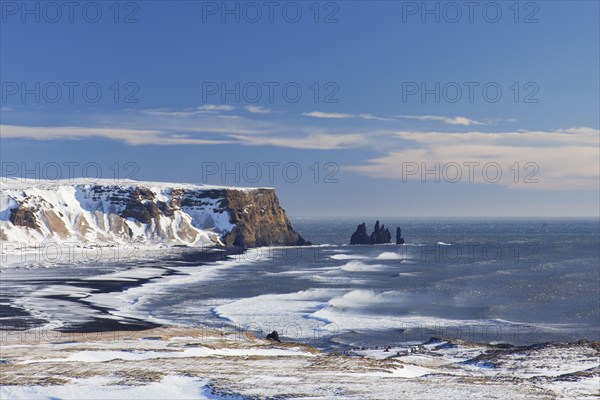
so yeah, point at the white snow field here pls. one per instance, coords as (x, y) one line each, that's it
(79, 220)
(197, 363)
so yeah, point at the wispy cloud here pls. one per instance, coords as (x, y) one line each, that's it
(320, 114)
(129, 136)
(188, 112)
(257, 109)
(213, 107)
(464, 121)
(318, 141)
(167, 113)
(566, 158)
(558, 160)
(311, 141)
(374, 117)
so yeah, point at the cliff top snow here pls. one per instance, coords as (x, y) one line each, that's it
(10, 183)
(108, 213)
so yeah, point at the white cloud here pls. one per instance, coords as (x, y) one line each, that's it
(373, 117)
(566, 158)
(257, 109)
(321, 141)
(561, 160)
(167, 113)
(129, 136)
(319, 114)
(186, 121)
(464, 121)
(311, 141)
(189, 112)
(212, 107)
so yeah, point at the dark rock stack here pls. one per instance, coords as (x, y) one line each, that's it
(399, 238)
(380, 235)
(360, 236)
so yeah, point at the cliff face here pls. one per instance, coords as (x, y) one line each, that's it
(143, 212)
(259, 220)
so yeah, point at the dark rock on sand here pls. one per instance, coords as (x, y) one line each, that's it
(274, 336)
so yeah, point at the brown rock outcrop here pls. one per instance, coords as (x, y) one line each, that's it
(259, 220)
(24, 216)
(239, 217)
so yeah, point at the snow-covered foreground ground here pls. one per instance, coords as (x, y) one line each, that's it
(186, 363)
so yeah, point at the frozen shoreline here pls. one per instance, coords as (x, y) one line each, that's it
(99, 301)
(169, 361)
(119, 296)
(210, 364)
(49, 254)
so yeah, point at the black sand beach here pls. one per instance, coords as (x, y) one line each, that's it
(13, 317)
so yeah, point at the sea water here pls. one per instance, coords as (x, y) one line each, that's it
(517, 281)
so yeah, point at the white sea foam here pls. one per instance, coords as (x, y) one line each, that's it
(289, 314)
(298, 315)
(360, 299)
(358, 266)
(388, 255)
(131, 303)
(411, 274)
(317, 313)
(347, 257)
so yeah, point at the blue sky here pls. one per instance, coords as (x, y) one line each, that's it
(369, 94)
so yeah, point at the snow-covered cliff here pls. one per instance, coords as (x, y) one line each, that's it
(106, 212)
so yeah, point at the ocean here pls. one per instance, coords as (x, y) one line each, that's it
(518, 281)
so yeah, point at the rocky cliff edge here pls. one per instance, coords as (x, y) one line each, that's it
(106, 212)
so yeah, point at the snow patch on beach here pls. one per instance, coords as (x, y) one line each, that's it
(185, 363)
(103, 356)
(170, 387)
